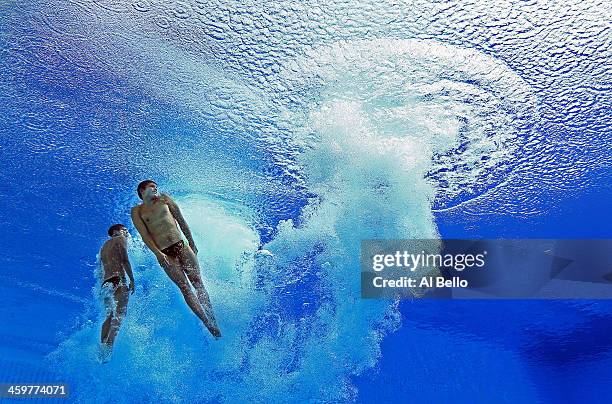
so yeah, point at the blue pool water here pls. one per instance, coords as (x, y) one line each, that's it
(301, 128)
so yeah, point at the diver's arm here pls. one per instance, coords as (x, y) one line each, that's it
(126, 264)
(99, 271)
(178, 216)
(146, 237)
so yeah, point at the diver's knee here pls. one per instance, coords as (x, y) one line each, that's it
(183, 286)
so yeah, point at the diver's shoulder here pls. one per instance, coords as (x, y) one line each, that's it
(136, 208)
(112, 246)
(106, 245)
(166, 198)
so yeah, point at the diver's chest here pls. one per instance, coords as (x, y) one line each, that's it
(155, 213)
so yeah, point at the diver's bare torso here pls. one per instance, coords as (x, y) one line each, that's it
(112, 255)
(160, 222)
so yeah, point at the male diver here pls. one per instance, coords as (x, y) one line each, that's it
(115, 264)
(156, 220)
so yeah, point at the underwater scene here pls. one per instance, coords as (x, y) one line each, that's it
(247, 149)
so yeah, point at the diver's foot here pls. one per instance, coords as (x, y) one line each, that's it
(210, 322)
(216, 333)
(214, 330)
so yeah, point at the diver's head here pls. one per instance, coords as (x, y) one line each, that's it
(147, 189)
(117, 230)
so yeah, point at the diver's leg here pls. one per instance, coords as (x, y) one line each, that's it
(106, 329)
(121, 300)
(189, 263)
(109, 307)
(175, 273)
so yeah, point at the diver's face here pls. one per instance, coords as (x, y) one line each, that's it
(121, 232)
(150, 191)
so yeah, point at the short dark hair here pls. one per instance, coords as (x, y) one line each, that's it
(114, 227)
(142, 185)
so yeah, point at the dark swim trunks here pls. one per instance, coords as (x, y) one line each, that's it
(115, 280)
(108, 292)
(175, 249)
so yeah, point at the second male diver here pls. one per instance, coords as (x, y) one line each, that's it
(115, 290)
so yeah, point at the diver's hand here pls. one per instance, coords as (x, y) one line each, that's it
(193, 248)
(162, 259)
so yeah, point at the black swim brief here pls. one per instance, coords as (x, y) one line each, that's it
(175, 249)
(115, 280)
